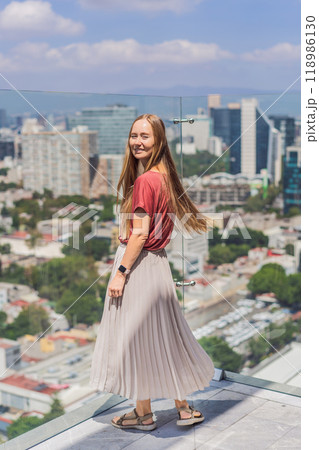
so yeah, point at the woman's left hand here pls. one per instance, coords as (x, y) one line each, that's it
(116, 286)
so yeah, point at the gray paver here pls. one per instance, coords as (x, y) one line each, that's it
(250, 433)
(236, 417)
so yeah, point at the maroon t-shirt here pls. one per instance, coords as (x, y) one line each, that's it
(147, 195)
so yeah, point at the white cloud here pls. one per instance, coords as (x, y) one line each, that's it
(177, 6)
(129, 56)
(111, 55)
(34, 17)
(281, 52)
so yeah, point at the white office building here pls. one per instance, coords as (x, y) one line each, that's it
(194, 250)
(256, 139)
(275, 156)
(248, 136)
(200, 130)
(59, 161)
(215, 145)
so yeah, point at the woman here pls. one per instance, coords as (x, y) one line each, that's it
(145, 348)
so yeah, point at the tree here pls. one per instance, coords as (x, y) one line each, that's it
(22, 425)
(3, 319)
(254, 203)
(32, 319)
(274, 338)
(7, 186)
(195, 165)
(258, 203)
(257, 238)
(33, 239)
(16, 220)
(27, 423)
(5, 212)
(14, 274)
(108, 202)
(56, 410)
(291, 296)
(220, 254)
(221, 354)
(258, 350)
(293, 211)
(86, 308)
(62, 274)
(290, 249)
(95, 247)
(5, 249)
(47, 193)
(270, 278)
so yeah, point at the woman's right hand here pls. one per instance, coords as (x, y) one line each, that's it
(116, 286)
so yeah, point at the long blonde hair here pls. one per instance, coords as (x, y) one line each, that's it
(179, 201)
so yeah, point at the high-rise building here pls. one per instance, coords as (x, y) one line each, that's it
(256, 139)
(214, 101)
(292, 178)
(107, 176)
(286, 125)
(112, 124)
(3, 118)
(59, 162)
(215, 145)
(248, 134)
(227, 126)
(6, 147)
(200, 130)
(275, 156)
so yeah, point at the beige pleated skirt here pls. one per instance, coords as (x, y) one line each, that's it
(144, 347)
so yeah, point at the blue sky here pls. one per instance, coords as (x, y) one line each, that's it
(125, 45)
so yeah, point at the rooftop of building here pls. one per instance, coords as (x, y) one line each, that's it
(240, 412)
(23, 382)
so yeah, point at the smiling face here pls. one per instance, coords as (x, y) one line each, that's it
(142, 140)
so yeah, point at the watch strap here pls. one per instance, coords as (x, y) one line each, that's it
(123, 269)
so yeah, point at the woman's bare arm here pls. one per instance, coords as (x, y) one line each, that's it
(141, 225)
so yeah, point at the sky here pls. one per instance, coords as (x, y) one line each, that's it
(134, 46)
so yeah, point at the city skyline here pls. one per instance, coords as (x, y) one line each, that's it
(130, 47)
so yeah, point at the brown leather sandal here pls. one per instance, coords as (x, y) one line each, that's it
(191, 420)
(139, 419)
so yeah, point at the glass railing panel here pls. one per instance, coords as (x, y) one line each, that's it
(241, 166)
(61, 157)
(62, 280)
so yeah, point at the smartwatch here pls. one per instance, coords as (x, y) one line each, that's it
(124, 270)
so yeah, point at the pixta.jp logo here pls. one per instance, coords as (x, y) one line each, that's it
(66, 223)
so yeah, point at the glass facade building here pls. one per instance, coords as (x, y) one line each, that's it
(286, 125)
(111, 122)
(263, 143)
(227, 126)
(292, 178)
(247, 132)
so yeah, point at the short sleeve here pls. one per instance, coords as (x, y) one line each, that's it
(143, 196)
